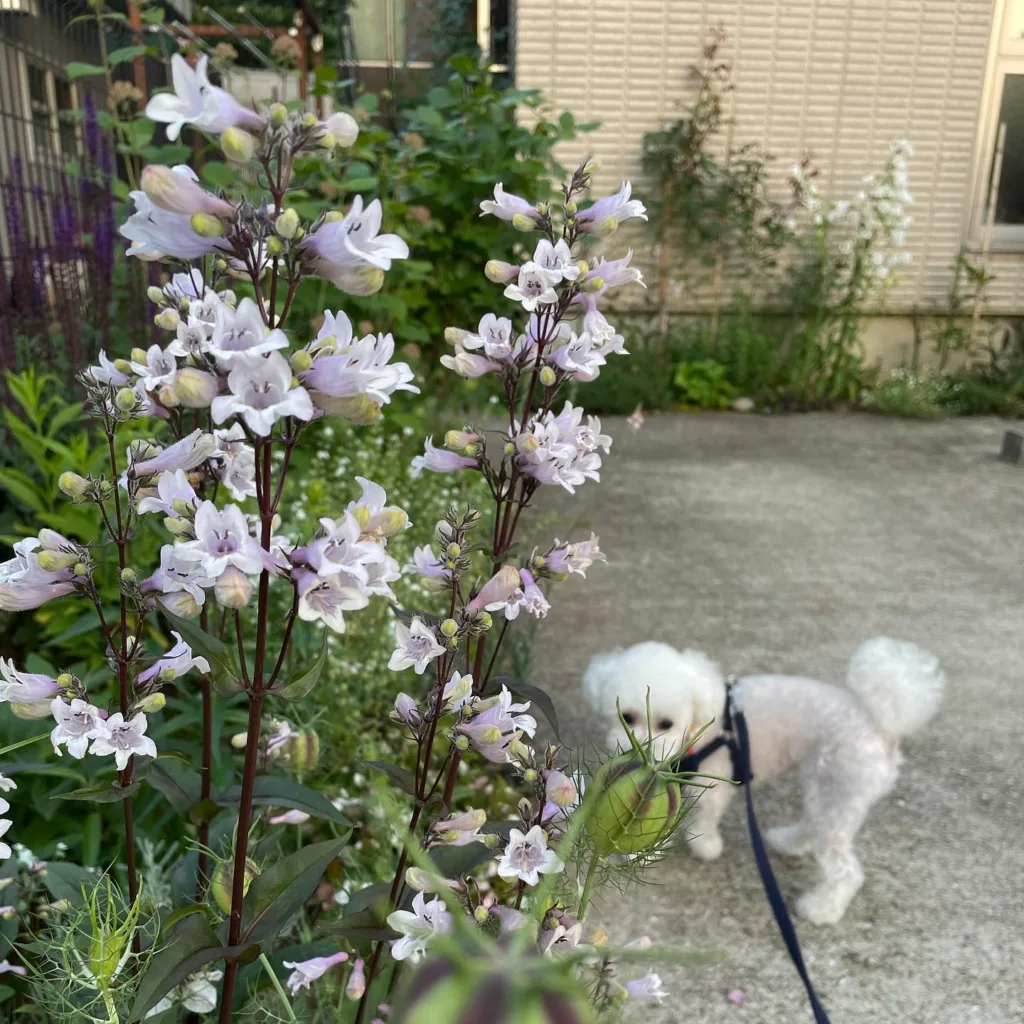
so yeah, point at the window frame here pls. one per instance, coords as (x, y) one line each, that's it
(54, 152)
(1006, 57)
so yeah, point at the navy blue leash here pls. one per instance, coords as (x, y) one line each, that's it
(739, 748)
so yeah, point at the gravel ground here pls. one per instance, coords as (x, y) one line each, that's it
(779, 544)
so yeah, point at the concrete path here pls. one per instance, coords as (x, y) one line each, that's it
(779, 544)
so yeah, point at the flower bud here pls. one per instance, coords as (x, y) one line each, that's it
(500, 272)
(308, 120)
(449, 628)
(73, 485)
(168, 397)
(221, 883)
(521, 222)
(57, 561)
(155, 295)
(181, 603)
(233, 588)
(238, 146)
(359, 410)
(179, 527)
(65, 679)
(123, 366)
(332, 215)
(195, 388)
(422, 881)
(128, 574)
(509, 449)
(287, 224)
(455, 335)
(571, 207)
(356, 982)
(342, 128)
(530, 775)
(167, 320)
(138, 355)
(519, 750)
(484, 620)
(527, 444)
(491, 841)
(638, 807)
(459, 439)
(151, 703)
(593, 284)
(453, 550)
(206, 225)
(461, 743)
(583, 267)
(497, 590)
(278, 114)
(300, 361)
(560, 789)
(239, 741)
(80, 569)
(547, 376)
(302, 751)
(481, 914)
(275, 246)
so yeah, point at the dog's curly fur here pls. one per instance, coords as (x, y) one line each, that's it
(845, 741)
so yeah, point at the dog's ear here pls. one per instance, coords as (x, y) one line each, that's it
(598, 675)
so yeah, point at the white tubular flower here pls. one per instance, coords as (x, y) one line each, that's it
(176, 662)
(262, 393)
(123, 739)
(240, 333)
(25, 585)
(342, 128)
(180, 194)
(417, 647)
(418, 926)
(326, 598)
(494, 336)
(527, 857)
(27, 691)
(608, 213)
(191, 451)
(506, 206)
(305, 972)
(174, 492)
(222, 539)
(556, 260)
(235, 462)
(533, 288)
(77, 724)
(198, 103)
(468, 364)
(159, 368)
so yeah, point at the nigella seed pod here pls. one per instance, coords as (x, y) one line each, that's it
(221, 883)
(302, 751)
(639, 806)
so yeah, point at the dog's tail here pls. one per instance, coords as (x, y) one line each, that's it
(899, 683)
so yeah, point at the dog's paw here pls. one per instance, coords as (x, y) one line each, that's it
(707, 846)
(789, 840)
(822, 905)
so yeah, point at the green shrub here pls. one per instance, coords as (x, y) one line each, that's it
(703, 384)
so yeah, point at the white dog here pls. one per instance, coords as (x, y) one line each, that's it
(846, 742)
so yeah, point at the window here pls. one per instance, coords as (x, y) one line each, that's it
(51, 101)
(378, 31)
(1004, 120)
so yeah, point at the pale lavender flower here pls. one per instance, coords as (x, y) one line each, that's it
(179, 194)
(339, 550)
(609, 212)
(377, 519)
(6, 784)
(408, 711)
(5, 967)
(326, 599)
(417, 647)
(458, 829)
(179, 574)
(122, 739)
(496, 591)
(500, 724)
(533, 288)
(24, 585)
(175, 663)
(107, 373)
(171, 488)
(561, 795)
(427, 565)
(647, 989)
(25, 687)
(344, 368)
(77, 724)
(381, 570)
(613, 274)
(506, 206)
(556, 260)
(292, 817)
(567, 558)
(467, 364)
(560, 939)
(351, 253)
(457, 691)
(156, 233)
(197, 102)
(342, 128)
(222, 539)
(240, 334)
(493, 335)
(438, 460)
(189, 452)
(262, 393)
(527, 857)
(534, 600)
(305, 972)
(566, 450)
(580, 356)
(235, 462)
(418, 926)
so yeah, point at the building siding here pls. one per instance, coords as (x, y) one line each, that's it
(836, 79)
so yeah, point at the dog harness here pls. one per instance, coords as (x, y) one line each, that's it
(735, 736)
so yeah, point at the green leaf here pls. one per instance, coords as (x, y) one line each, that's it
(429, 116)
(219, 174)
(275, 896)
(456, 861)
(179, 784)
(185, 947)
(126, 53)
(281, 791)
(64, 880)
(77, 69)
(531, 693)
(22, 743)
(363, 925)
(401, 777)
(326, 73)
(23, 488)
(100, 793)
(302, 682)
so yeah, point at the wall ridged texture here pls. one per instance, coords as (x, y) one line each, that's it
(838, 79)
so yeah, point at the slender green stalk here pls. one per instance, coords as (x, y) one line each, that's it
(276, 982)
